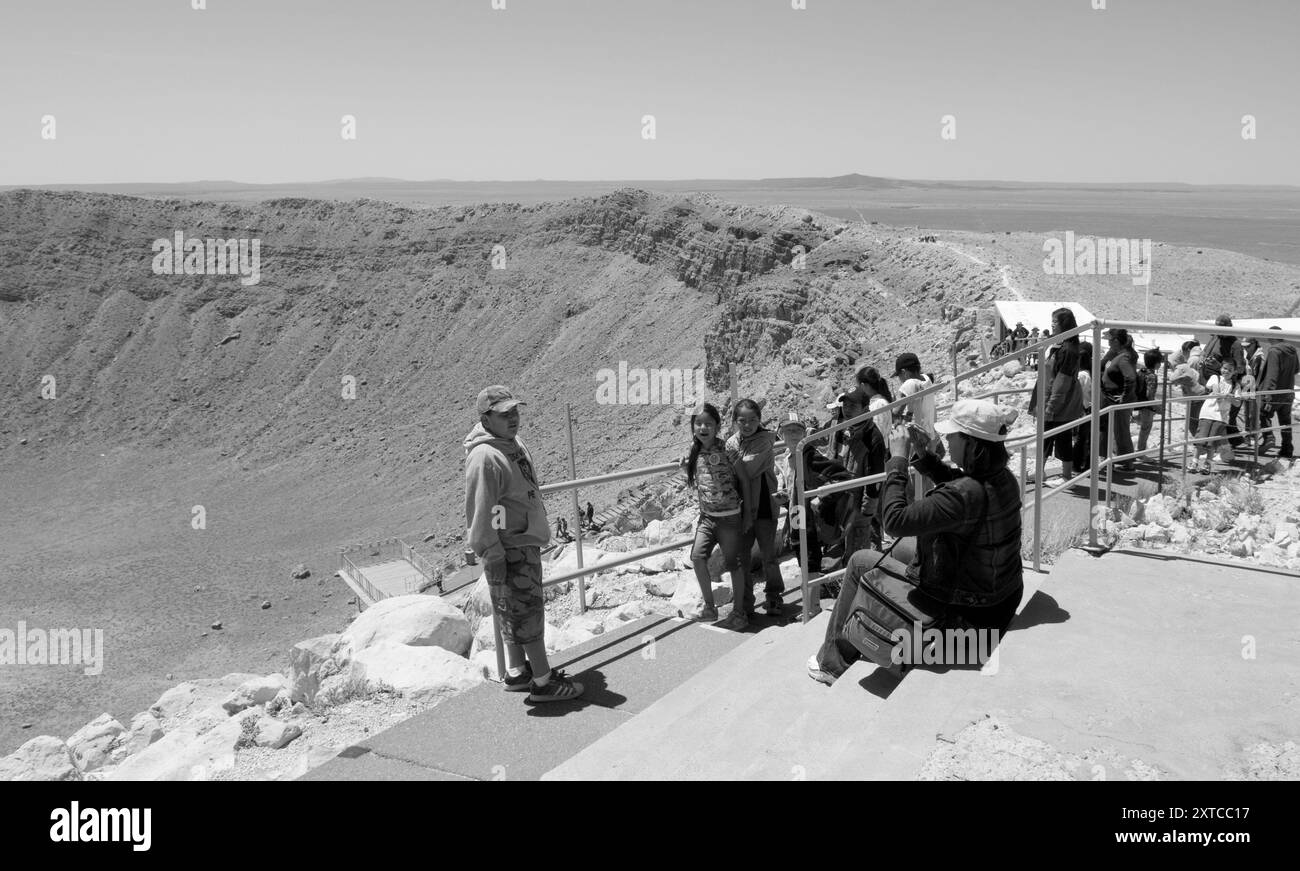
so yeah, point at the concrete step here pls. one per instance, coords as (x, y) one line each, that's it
(756, 715)
(716, 724)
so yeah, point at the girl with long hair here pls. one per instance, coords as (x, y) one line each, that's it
(717, 488)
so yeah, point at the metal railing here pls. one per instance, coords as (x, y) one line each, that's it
(1092, 419)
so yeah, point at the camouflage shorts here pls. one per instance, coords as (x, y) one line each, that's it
(517, 598)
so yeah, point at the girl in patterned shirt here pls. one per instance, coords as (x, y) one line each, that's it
(711, 472)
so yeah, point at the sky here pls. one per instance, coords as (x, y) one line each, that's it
(1040, 90)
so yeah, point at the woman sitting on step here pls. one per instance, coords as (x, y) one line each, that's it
(966, 570)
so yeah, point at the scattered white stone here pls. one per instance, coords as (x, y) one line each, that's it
(252, 693)
(145, 729)
(310, 662)
(90, 745)
(42, 758)
(275, 733)
(687, 598)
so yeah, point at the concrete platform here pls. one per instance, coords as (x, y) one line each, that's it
(1132, 668)
(489, 734)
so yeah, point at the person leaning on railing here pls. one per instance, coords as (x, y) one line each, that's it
(1278, 372)
(967, 566)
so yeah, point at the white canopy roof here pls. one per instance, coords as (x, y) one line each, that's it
(1035, 314)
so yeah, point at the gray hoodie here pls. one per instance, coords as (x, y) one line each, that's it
(499, 472)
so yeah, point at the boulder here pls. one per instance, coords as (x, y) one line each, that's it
(252, 693)
(188, 700)
(484, 638)
(665, 586)
(1157, 534)
(486, 663)
(187, 754)
(478, 606)
(275, 733)
(425, 673)
(655, 532)
(145, 730)
(662, 562)
(1011, 368)
(310, 662)
(301, 571)
(1158, 512)
(687, 598)
(414, 620)
(42, 758)
(90, 745)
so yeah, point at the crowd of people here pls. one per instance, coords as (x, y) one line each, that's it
(947, 533)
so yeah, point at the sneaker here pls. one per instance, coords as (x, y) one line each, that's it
(558, 689)
(701, 613)
(815, 672)
(737, 622)
(518, 684)
(830, 590)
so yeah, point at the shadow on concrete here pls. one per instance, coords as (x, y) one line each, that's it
(1041, 609)
(596, 692)
(881, 683)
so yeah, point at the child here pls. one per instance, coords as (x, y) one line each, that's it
(1147, 389)
(717, 489)
(1213, 425)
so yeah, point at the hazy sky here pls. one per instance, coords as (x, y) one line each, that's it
(1050, 90)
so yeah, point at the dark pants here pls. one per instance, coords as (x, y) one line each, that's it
(1082, 452)
(764, 532)
(814, 539)
(1283, 414)
(1061, 446)
(836, 654)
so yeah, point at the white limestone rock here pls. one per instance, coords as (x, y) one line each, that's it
(424, 673)
(415, 621)
(43, 758)
(310, 662)
(91, 745)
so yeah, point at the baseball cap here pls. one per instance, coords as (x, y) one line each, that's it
(496, 398)
(791, 419)
(979, 419)
(906, 361)
(857, 396)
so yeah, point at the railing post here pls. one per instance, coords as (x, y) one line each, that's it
(496, 632)
(1094, 431)
(804, 585)
(1041, 414)
(577, 511)
(1164, 417)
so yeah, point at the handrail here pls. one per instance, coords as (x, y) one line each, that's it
(1093, 418)
(631, 557)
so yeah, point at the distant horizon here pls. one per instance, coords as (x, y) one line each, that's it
(786, 180)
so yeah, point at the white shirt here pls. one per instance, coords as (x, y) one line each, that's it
(1085, 381)
(1218, 401)
(921, 410)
